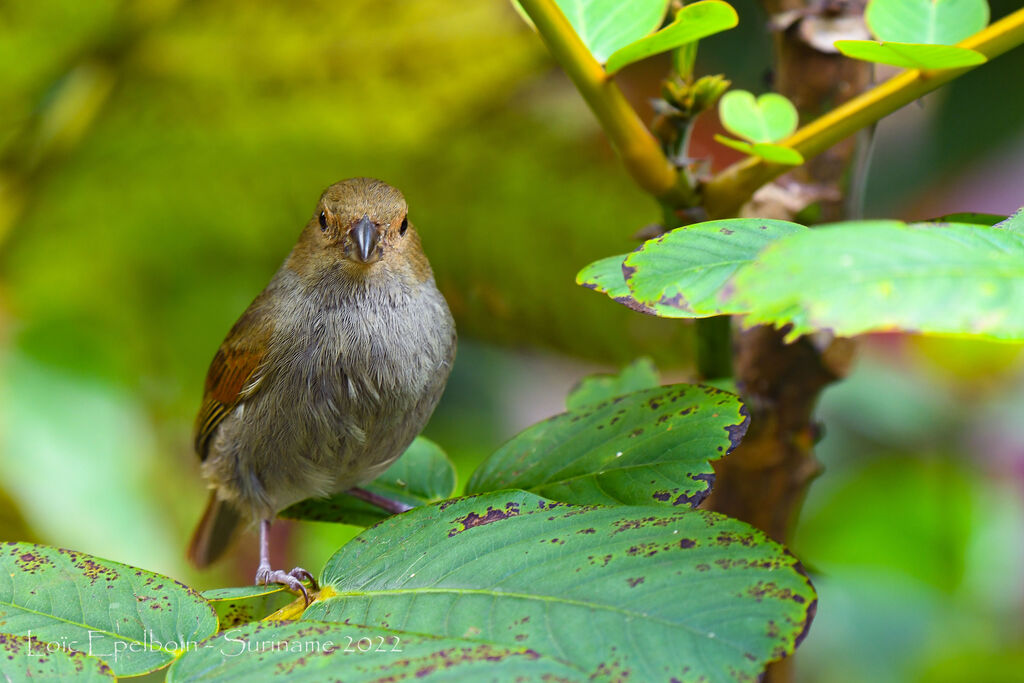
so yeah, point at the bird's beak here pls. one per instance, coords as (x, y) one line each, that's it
(366, 235)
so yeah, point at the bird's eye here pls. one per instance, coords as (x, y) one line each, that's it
(323, 220)
(404, 226)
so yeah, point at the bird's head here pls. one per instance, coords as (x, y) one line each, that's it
(361, 226)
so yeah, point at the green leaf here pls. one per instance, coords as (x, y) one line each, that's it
(972, 218)
(28, 659)
(134, 620)
(237, 606)
(682, 274)
(936, 22)
(911, 55)
(874, 276)
(423, 474)
(692, 22)
(605, 276)
(637, 593)
(1014, 223)
(606, 26)
(769, 118)
(318, 651)
(651, 447)
(766, 150)
(640, 374)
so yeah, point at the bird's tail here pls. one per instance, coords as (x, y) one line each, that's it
(214, 533)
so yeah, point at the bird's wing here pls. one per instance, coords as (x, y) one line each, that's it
(235, 371)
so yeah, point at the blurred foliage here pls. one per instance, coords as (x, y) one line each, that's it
(913, 532)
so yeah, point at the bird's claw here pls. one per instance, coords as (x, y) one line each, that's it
(293, 579)
(303, 575)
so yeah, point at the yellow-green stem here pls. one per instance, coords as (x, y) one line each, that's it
(640, 151)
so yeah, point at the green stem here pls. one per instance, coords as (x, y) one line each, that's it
(714, 347)
(726, 192)
(638, 148)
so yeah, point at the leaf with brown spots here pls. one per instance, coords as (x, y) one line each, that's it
(28, 659)
(686, 272)
(606, 277)
(649, 592)
(241, 605)
(640, 374)
(315, 651)
(99, 607)
(649, 447)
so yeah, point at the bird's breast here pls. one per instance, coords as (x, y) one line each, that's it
(367, 357)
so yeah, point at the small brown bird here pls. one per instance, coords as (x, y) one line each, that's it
(328, 375)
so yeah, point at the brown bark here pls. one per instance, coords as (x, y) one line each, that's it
(764, 481)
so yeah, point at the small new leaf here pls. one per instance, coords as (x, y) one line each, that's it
(768, 118)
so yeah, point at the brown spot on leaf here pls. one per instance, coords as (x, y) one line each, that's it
(738, 431)
(492, 515)
(630, 302)
(30, 562)
(676, 301)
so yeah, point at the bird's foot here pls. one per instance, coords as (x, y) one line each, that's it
(293, 579)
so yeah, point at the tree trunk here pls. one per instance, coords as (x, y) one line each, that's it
(764, 481)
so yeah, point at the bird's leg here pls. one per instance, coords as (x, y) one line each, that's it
(385, 504)
(266, 576)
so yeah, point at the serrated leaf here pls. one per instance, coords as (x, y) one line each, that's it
(28, 659)
(768, 118)
(874, 276)
(682, 274)
(318, 651)
(100, 607)
(640, 374)
(911, 55)
(696, 595)
(422, 475)
(766, 150)
(692, 22)
(605, 276)
(605, 26)
(244, 604)
(936, 22)
(650, 447)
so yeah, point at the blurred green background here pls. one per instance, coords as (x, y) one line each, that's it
(158, 158)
